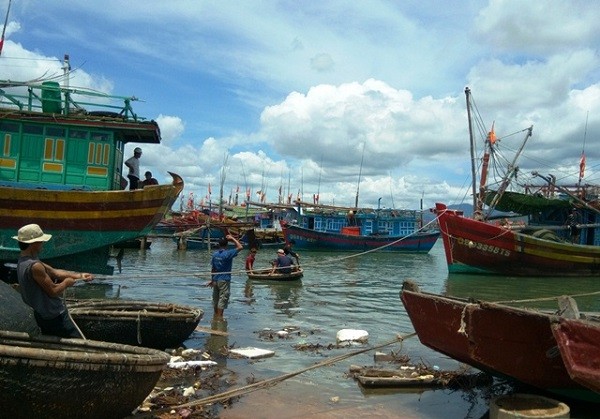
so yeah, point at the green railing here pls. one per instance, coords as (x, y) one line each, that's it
(50, 97)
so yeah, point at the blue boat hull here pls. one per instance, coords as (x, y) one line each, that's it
(316, 240)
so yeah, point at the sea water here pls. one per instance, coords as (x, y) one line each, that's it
(338, 291)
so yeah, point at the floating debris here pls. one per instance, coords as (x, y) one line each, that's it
(418, 376)
(252, 353)
(352, 335)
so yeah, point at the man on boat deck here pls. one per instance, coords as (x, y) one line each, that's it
(221, 263)
(41, 285)
(133, 163)
(283, 264)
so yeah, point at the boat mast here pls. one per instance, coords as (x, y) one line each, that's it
(359, 175)
(512, 171)
(476, 205)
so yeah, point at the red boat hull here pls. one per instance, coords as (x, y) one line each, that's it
(579, 344)
(501, 340)
(473, 246)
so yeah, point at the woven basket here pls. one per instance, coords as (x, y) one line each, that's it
(15, 315)
(50, 377)
(154, 325)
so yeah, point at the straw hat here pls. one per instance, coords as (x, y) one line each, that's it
(32, 233)
(281, 252)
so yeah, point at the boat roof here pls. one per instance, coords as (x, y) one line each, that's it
(49, 103)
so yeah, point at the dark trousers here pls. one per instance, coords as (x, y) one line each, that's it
(61, 326)
(133, 182)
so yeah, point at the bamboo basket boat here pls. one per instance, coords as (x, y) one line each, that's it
(265, 275)
(50, 377)
(130, 322)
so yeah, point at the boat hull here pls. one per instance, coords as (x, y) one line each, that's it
(473, 246)
(82, 222)
(579, 344)
(307, 239)
(137, 323)
(503, 341)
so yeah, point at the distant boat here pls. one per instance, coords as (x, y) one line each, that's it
(61, 168)
(334, 228)
(579, 344)
(504, 341)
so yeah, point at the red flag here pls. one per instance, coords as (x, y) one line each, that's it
(582, 166)
(492, 135)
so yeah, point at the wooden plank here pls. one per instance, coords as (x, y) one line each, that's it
(211, 331)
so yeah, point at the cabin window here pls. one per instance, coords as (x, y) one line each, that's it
(55, 132)
(102, 137)
(33, 129)
(77, 133)
(9, 126)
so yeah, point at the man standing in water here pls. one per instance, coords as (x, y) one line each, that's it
(221, 263)
(41, 285)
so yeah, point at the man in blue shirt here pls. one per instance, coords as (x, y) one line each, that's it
(221, 263)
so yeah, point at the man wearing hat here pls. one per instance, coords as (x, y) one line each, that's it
(41, 285)
(283, 263)
(133, 163)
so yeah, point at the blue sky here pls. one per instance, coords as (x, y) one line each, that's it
(291, 93)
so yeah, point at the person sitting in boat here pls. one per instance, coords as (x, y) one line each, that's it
(41, 285)
(149, 180)
(283, 264)
(250, 260)
(287, 249)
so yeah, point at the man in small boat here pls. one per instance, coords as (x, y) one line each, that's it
(133, 163)
(250, 260)
(149, 180)
(283, 264)
(221, 263)
(287, 249)
(41, 285)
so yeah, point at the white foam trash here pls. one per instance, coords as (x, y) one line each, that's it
(352, 335)
(527, 406)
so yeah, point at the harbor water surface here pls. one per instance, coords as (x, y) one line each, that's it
(338, 291)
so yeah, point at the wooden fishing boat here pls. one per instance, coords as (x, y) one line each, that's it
(579, 344)
(358, 230)
(546, 240)
(473, 246)
(265, 275)
(62, 169)
(504, 341)
(142, 323)
(45, 376)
